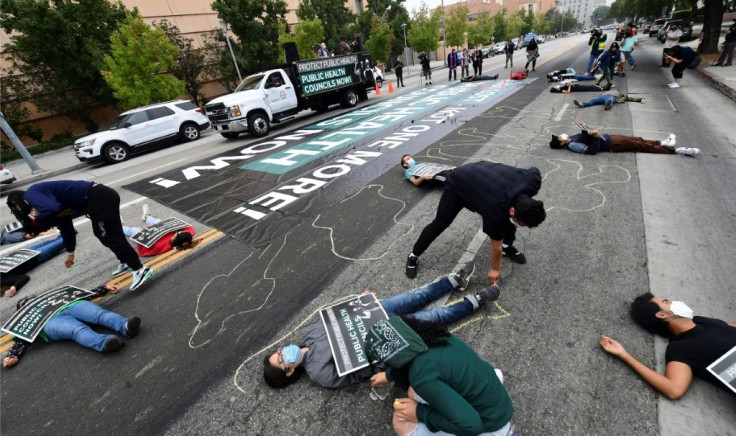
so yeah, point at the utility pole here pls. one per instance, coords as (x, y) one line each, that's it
(223, 25)
(19, 145)
(444, 37)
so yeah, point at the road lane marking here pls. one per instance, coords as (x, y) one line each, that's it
(561, 112)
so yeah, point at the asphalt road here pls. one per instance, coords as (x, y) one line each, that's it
(618, 225)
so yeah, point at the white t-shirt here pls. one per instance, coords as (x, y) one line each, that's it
(672, 34)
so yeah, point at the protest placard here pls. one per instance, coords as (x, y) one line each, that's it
(16, 259)
(724, 369)
(149, 235)
(430, 168)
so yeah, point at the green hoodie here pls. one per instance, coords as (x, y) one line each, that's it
(463, 394)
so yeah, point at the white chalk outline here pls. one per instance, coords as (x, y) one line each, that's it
(589, 186)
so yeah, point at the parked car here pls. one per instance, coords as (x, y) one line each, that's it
(656, 25)
(687, 30)
(540, 39)
(6, 176)
(142, 129)
(528, 37)
(499, 47)
(487, 51)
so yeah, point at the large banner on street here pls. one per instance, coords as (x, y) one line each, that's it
(346, 325)
(28, 322)
(724, 369)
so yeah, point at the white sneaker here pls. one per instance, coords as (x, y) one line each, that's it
(146, 211)
(684, 151)
(140, 277)
(670, 141)
(121, 269)
(673, 85)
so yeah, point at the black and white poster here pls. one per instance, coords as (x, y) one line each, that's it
(347, 325)
(724, 369)
(16, 259)
(149, 235)
(430, 168)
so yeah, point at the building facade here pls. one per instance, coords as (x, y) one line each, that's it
(580, 9)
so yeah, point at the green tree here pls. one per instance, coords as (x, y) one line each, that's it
(379, 44)
(308, 35)
(423, 31)
(501, 26)
(528, 18)
(600, 15)
(256, 25)
(481, 30)
(138, 65)
(59, 45)
(332, 14)
(456, 24)
(191, 63)
(221, 67)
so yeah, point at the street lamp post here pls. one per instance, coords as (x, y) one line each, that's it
(406, 55)
(223, 26)
(444, 37)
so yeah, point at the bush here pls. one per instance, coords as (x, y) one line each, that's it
(56, 142)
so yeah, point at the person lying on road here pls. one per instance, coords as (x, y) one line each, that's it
(609, 98)
(694, 343)
(568, 87)
(479, 77)
(410, 166)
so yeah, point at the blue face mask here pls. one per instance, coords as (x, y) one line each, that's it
(411, 162)
(291, 354)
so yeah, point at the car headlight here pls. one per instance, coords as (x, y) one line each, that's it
(85, 143)
(235, 111)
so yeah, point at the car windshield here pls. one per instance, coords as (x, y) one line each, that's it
(118, 123)
(250, 82)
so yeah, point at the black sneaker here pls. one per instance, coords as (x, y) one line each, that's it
(490, 293)
(495, 77)
(113, 344)
(132, 327)
(514, 255)
(411, 266)
(463, 275)
(609, 104)
(577, 103)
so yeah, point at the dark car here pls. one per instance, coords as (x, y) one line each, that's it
(656, 25)
(687, 30)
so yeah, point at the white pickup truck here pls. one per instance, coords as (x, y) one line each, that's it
(278, 95)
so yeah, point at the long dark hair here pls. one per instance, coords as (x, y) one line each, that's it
(433, 334)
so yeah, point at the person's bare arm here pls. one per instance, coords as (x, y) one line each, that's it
(731, 324)
(418, 180)
(494, 275)
(673, 384)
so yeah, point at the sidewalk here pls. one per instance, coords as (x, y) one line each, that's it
(721, 78)
(53, 163)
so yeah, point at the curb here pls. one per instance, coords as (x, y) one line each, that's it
(43, 176)
(718, 83)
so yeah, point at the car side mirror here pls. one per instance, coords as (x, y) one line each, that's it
(126, 125)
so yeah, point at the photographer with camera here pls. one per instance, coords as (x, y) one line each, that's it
(597, 44)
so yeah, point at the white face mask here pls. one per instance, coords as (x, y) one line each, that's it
(681, 309)
(564, 137)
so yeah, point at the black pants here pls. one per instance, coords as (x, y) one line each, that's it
(103, 209)
(399, 76)
(452, 70)
(450, 205)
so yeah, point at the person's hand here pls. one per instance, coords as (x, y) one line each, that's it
(494, 276)
(643, 100)
(582, 123)
(405, 409)
(612, 347)
(9, 361)
(111, 289)
(69, 260)
(379, 379)
(594, 133)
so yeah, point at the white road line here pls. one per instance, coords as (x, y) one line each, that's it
(562, 111)
(77, 223)
(147, 171)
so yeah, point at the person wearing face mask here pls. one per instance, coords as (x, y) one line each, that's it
(591, 142)
(501, 195)
(313, 355)
(438, 179)
(694, 343)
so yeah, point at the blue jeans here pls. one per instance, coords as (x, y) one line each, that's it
(48, 249)
(582, 77)
(70, 324)
(11, 237)
(131, 231)
(410, 302)
(599, 99)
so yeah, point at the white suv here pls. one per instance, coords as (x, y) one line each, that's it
(141, 129)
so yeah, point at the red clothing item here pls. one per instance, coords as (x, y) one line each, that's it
(162, 245)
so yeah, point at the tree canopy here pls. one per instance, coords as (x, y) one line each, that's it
(191, 65)
(423, 31)
(333, 16)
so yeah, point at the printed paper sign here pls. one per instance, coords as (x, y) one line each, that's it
(16, 259)
(724, 369)
(148, 236)
(430, 168)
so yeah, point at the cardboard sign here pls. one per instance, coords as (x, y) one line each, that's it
(14, 227)
(724, 369)
(16, 259)
(346, 325)
(148, 236)
(28, 322)
(430, 168)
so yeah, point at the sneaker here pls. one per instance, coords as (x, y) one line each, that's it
(146, 212)
(577, 103)
(132, 327)
(670, 141)
(495, 77)
(490, 293)
(121, 269)
(609, 104)
(684, 151)
(140, 277)
(623, 74)
(633, 67)
(463, 275)
(673, 85)
(514, 255)
(499, 374)
(411, 266)
(113, 343)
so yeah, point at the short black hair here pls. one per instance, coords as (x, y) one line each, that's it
(276, 377)
(555, 89)
(555, 142)
(402, 159)
(182, 240)
(528, 210)
(644, 311)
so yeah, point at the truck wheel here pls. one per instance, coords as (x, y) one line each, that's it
(230, 135)
(349, 98)
(258, 124)
(115, 152)
(189, 132)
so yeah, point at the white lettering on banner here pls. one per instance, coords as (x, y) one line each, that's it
(257, 147)
(291, 153)
(217, 164)
(440, 116)
(398, 138)
(299, 135)
(321, 64)
(328, 144)
(275, 200)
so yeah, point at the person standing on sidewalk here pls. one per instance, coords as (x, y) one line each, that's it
(501, 195)
(57, 202)
(509, 51)
(399, 70)
(452, 64)
(728, 48)
(672, 39)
